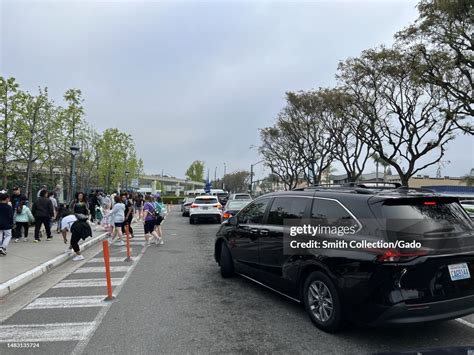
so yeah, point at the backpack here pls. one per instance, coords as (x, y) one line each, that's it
(153, 212)
(81, 228)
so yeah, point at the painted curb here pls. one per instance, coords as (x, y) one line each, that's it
(30, 275)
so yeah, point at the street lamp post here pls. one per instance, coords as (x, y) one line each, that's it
(223, 181)
(251, 174)
(74, 150)
(126, 180)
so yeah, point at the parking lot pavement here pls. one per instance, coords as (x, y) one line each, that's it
(24, 256)
(172, 300)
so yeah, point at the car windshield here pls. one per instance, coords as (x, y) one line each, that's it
(236, 205)
(205, 201)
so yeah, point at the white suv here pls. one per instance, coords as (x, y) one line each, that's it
(205, 207)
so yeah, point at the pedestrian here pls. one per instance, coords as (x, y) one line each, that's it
(161, 212)
(43, 211)
(17, 201)
(63, 211)
(52, 197)
(44, 187)
(80, 229)
(80, 205)
(93, 204)
(117, 218)
(6, 222)
(23, 218)
(128, 213)
(149, 219)
(139, 207)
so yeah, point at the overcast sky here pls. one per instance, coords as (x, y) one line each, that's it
(192, 79)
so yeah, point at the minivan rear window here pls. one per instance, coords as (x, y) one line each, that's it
(426, 217)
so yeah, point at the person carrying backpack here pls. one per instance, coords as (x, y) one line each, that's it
(161, 213)
(23, 218)
(80, 228)
(149, 219)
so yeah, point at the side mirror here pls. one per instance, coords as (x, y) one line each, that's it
(232, 221)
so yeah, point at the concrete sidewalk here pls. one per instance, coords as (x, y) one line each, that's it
(28, 260)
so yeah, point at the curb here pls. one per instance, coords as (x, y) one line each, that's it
(30, 275)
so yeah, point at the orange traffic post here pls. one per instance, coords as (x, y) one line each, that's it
(127, 233)
(105, 246)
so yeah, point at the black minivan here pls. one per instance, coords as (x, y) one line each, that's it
(407, 256)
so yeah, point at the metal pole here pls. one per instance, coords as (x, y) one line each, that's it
(73, 176)
(251, 178)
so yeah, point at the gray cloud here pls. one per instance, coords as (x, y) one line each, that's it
(192, 80)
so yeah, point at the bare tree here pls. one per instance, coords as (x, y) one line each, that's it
(280, 156)
(406, 123)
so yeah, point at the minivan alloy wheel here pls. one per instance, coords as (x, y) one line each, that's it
(320, 301)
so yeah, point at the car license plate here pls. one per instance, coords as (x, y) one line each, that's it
(205, 208)
(459, 272)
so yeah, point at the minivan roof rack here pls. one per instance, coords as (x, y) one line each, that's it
(366, 189)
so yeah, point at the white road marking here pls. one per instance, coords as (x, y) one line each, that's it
(87, 283)
(465, 322)
(45, 332)
(67, 302)
(85, 270)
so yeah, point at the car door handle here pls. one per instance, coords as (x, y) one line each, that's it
(264, 232)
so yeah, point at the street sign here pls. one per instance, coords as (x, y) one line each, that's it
(135, 184)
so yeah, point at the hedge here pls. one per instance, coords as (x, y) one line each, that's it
(172, 199)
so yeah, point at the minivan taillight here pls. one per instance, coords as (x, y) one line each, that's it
(398, 256)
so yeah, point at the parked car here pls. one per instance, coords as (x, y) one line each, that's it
(205, 207)
(232, 207)
(240, 196)
(369, 285)
(185, 207)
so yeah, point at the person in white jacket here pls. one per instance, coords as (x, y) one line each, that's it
(117, 218)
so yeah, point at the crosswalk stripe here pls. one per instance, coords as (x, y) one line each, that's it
(67, 302)
(85, 270)
(87, 283)
(113, 259)
(45, 332)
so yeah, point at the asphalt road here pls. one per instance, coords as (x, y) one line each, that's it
(172, 300)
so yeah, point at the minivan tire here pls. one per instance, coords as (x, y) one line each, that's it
(324, 293)
(225, 262)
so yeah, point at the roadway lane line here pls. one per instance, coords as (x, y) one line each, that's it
(87, 269)
(45, 332)
(67, 302)
(87, 283)
(465, 322)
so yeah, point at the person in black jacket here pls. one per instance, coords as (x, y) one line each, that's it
(43, 211)
(18, 200)
(6, 223)
(79, 228)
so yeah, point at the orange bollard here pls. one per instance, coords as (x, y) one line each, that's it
(105, 246)
(127, 233)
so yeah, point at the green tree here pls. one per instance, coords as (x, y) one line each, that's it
(195, 171)
(237, 181)
(117, 155)
(9, 100)
(31, 138)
